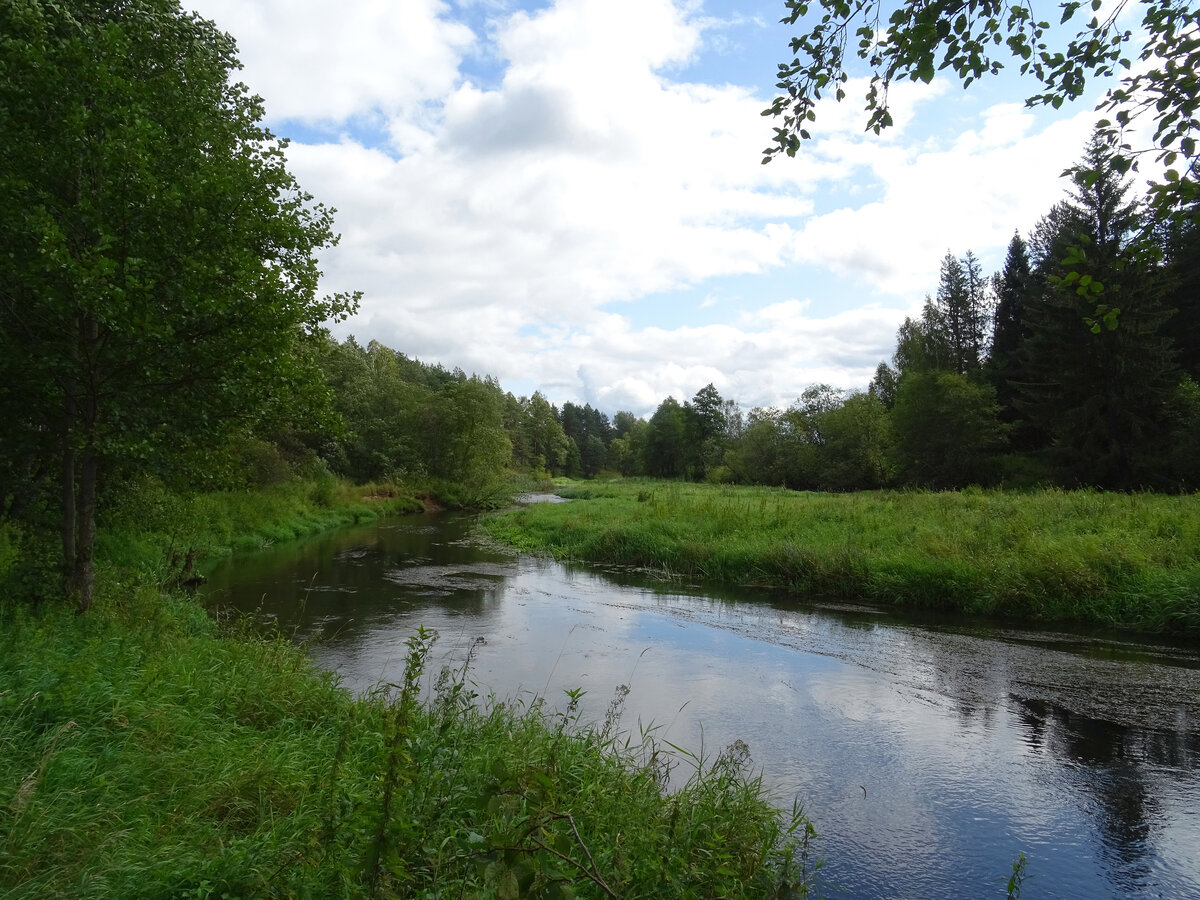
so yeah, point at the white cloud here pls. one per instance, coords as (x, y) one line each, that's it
(970, 194)
(504, 224)
(320, 61)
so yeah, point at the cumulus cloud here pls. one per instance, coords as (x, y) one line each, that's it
(510, 224)
(329, 62)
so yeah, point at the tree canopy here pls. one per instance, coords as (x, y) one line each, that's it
(159, 271)
(972, 39)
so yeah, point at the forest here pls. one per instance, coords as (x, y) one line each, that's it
(1076, 365)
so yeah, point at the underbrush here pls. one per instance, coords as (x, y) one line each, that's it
(1125, 560)
(155, 534)
(142, 754)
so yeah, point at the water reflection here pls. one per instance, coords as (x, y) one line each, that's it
(928, 753)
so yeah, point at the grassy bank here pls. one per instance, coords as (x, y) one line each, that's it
(145, 754)
(1125, 560)
(154, 532)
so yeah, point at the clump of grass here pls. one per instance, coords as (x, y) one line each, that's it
(1125, 560)
(143, 754)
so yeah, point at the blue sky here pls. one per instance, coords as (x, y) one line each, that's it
(569, 195)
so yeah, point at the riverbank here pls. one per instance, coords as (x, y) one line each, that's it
(1129, 561)
(147, 752)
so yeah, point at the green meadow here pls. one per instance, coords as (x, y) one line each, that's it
(1129, 561)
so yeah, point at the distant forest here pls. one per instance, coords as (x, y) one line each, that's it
(1075, 365)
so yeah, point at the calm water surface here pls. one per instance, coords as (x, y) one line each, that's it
(928, 753)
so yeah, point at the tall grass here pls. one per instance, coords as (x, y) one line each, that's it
(144, 755)
(1126, 560)
(152, 532)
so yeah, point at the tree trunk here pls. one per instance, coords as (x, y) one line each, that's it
(67, 489)
(83, 575)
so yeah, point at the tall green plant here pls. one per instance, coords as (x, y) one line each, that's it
(160, 260)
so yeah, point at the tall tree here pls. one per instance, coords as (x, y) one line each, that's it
(1098, 386)
(1015, 288)
(1183, 276)
(961, 305)
(665, 450)
(946, 429)
(706, 424)
(857, 444)
(159, 261)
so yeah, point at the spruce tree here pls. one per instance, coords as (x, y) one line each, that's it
(1097, 386)
(961, 312)
(1015, 287)
(1183, 272)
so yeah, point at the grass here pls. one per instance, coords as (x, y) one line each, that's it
(153, 532)
(146, 752)
(144, 755)
(1125, 560)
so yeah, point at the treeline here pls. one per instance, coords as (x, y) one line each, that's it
(1076, 365)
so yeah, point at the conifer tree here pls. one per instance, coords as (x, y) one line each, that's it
(1015, 288)
(1097, 386)
(958, 313)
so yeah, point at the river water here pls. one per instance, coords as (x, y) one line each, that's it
(929, 752)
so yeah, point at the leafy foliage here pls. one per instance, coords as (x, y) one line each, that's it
(160, 264)
(145, 755)
(917, 39)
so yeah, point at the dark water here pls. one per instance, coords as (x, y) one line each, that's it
(928, 754)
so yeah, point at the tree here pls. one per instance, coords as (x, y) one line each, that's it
(1013, 287)
(883, 386)
(946, 430)
(706, 427)
(857, 444)
(921, 343)
(547, 443)
(586, 427)
(159, 266)
(920, 38)
(962, 306)
(1099, 391)
(464, 430)
(665, 449)
(758, 455)
(1183, 274)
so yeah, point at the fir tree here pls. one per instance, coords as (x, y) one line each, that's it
(1015, 287)
(1097, 388)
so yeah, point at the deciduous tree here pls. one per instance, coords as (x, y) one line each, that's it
(973, 39)
(159, 260)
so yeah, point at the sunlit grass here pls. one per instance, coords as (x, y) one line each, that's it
(143, 755)
(153, 531)
(1130, 560)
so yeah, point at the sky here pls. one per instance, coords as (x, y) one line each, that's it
(569, 196)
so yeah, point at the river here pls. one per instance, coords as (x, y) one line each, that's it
(929, 752)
